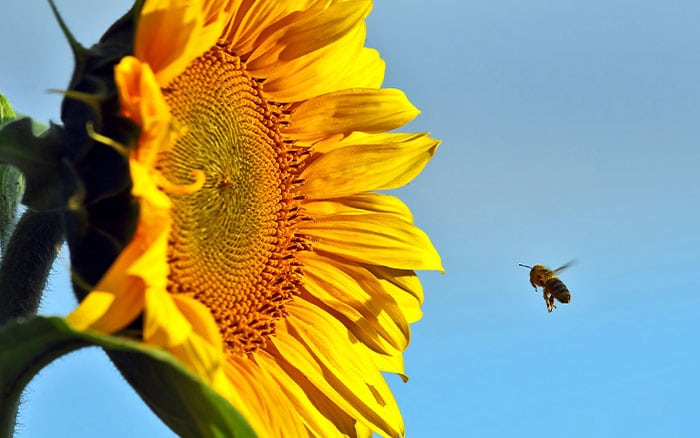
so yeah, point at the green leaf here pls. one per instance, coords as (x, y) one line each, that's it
(38, 128)
(38, 158)
(6, 111)
(186, 404)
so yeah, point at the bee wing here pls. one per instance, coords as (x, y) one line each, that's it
(564, 266)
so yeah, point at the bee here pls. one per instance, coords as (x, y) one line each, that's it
(553, 287)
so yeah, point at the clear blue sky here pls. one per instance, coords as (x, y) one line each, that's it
(571, 129)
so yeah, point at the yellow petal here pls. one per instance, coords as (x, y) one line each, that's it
(322, 419)
(254, 19)
(405, 287)
(378, 239)
(365, 167)
(368, 329)
(389, 363)
(342, 112)
(356, 294)
(171, 33)
(143, 102)
(343, 64)
(367, 71)
(162, 38)
(399, 282)
(307, 33)
(199, 316)
(202, 358)
(257, 397)
(164, 325)
(362, 431)
(325, 28)
(155, 205)
(360, 203)
(106, 311)
(319, 348)
(120, 295)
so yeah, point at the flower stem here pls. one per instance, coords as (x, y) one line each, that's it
(8, 417)
(25, 265)
(24, 269)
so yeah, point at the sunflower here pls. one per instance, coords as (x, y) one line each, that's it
(261, 254)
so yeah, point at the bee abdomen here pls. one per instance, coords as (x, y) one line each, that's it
(558, 290)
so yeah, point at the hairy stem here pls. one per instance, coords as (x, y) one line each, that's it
(24, 269)
(26, 263)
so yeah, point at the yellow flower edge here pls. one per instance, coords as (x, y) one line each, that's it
(339, 258)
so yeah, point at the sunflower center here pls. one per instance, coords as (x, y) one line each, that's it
(232, 244)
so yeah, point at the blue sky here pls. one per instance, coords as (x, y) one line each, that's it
(570, 131)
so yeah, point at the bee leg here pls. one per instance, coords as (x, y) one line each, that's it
(547, 300)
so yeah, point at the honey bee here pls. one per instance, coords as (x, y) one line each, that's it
(553, 287)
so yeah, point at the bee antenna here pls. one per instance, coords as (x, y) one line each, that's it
(525, 266)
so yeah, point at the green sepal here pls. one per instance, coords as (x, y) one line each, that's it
(11, 184)
(11, 189)
(185, 403)
(39, 158)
